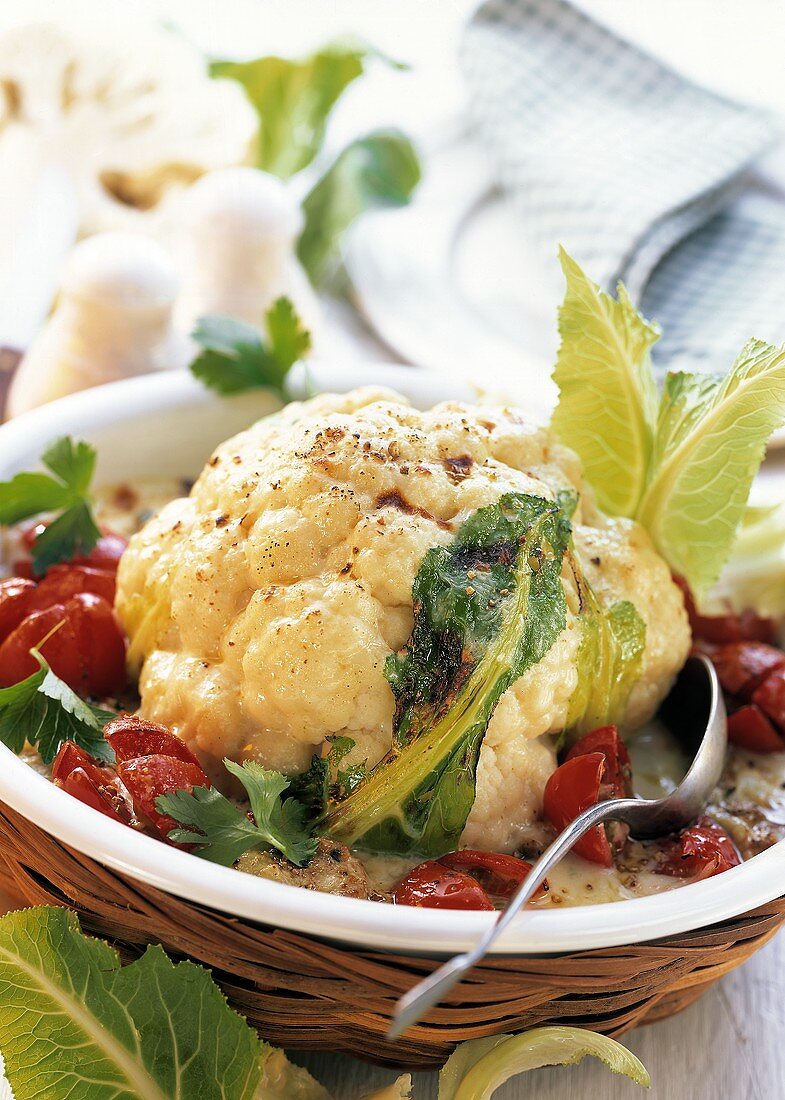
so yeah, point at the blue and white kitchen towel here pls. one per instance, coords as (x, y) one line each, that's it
(642, 175)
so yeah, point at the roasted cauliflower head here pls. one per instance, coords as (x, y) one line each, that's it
(261, 608)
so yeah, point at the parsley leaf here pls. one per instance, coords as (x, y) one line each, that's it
(28, 494)
(237, 356)
(223, 832)
(44, 712)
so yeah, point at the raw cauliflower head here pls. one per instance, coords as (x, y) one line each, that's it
(261, 609)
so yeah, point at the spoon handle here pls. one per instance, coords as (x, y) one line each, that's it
(414, 1004)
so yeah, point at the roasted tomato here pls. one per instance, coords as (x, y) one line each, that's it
(79, 775)
(743, 666)
(131, 736)
(64, 581)
(769, 696)
(500, 875)
(431, 885)
(746, 627)
(16, 602)
(147, 777)
(87, 651)
(573, 788)
(750, 729)
(703, 850)
(617, 777)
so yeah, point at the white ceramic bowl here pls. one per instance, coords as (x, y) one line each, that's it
(167, 425)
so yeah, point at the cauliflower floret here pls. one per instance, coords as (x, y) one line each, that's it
(262, 608)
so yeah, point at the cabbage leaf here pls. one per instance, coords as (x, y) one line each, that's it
(73, 1022)
(711, 437)
(607, 396)
(487, 608)
(683, 469)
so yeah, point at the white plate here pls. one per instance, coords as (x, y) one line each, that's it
(167, 425)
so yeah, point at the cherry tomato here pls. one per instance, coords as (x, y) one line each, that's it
(131, 736)
(16, 598)
(500, 875)
(618, 769)
(77, 773)
(749, 728)
(431, 885)
(703, 850)
(770, 697)
(87, 651)
(743, 666)
(573, 788)
(105, 554)
(148, 777)
(64, 581)
(746, 627)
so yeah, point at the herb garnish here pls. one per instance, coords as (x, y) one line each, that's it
(222, 832)
(65, 490)
(237, 356)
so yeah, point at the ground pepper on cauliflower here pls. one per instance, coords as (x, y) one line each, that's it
(261, 609)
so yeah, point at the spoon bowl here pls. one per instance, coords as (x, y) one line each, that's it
(695, 711)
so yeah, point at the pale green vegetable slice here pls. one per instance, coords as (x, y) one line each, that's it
(478, 1068)
(754, 576)
(398, 1090)
(711, 436)
(73, 1022)
(607, 396)
(282, 1080)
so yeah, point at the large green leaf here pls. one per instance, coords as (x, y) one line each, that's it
(607, 396)
(380, 169)
(74, 1023)
(711, 437)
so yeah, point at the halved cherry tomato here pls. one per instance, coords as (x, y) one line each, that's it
(618, 769)
(500, 875)
(749, 728)
(431, 885)
(87, 651)
(148, 777)
(746, 627)
(770, 697)
(573, 788)
(131, 736)
(105, 554)
(77, 773)
(16, 598)
(703, 850)
(743, 666)
(64, 581)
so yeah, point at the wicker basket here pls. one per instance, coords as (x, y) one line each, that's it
(301, 992)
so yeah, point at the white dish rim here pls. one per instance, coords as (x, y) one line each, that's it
(363, 924)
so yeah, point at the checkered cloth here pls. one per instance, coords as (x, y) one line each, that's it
(642, 175)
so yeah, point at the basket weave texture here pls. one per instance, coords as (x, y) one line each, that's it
(301, 992)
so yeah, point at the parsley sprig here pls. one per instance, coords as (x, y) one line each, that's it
(65, 489)
(222, 832)
(236, 356)
(44, 712)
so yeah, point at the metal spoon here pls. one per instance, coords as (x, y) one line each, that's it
(695, 712)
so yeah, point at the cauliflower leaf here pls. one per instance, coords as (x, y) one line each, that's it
(222, 832)
(486, 608)
(683, 469)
